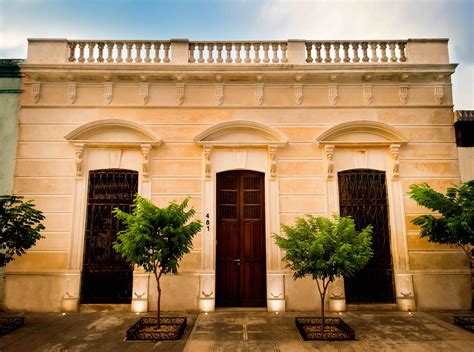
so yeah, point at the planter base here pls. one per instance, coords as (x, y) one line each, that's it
(8, 324)
(335, 329)
(171, 328)
(466, 322)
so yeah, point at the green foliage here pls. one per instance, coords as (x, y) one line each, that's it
(454, 222)
(20, 226)
(325, 248)
(156, 238)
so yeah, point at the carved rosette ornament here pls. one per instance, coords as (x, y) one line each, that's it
(207, 160)
(35, 91)
(368, 95)
(79, 158)
(333, 95)
(144, 93)
(403, 94)
(219, 91)
(439, 93)
(395, 154)
(179, 93)
(329, 155)
(108, 92)
(272, 156)
(298, 93)
(145, 149)
(259, 93)
(71, 92)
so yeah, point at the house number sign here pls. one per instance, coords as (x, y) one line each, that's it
(208, 222)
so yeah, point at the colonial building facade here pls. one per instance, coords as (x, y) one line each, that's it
(257, 133)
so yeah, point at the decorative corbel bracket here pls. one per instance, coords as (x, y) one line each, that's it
(144, 92)
(207, 149)
(395, 154)
(71, 92)
(272, 157)
(439, 93)
(35, 91)
(259, 93)
(329, 155)
(79, 158)
(403, 94)
(219, 91)
(368, 95)
(298, 93)
(145, 149)
(333, 95)
(180, 93)
(108, 92)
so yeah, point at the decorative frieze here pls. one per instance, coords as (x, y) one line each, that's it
(71, 92)
(180, 93)
(368, 95)
(259, 93)
(207, 160)
(329, 155)
(298, 93)
(395, 155)
(145, 149)
(35, 91)
(272, 157)
(333, 95)
(439, 93)
(108, 92)
(403, 94)
(79, 160)
(144, 93)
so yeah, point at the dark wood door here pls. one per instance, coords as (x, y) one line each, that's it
(240, 247)
(363, 195)
(106, 277)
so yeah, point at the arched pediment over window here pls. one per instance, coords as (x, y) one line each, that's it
(113, 132)
(241, 133)
(361, 133)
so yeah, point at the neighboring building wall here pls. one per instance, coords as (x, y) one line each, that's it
(464, 126)
(179, 103)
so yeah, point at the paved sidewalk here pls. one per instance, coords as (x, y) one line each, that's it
(225, 331)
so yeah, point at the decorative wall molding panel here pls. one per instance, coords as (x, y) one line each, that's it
(108, 92)
(35, 91)
(333, 95)
(403, 94)
(368, 95)
(144, 93)
(71, 92)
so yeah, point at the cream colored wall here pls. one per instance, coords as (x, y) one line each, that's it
(45, 172)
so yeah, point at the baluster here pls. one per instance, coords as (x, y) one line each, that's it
(91, 47)
(266, 60)
(256, 49)
(355, 49)
(318, 52)
(201, 53)
(383, 50)
(100, 57)
(247, 53)
(401, 47)
(345, 48)
(72, 49)
(157, 48)
(275, 53)
(365, 58)
(166, 54)
(219, 53)
(138, 48)
(110, 48)
(228, 50)
(337, 58)
(238, 47)
(191, 58)
(210, 49)
(81, 52)
(119, 52)
(284, 58)
(327, 50)
(147, 52)
(373, 47)
(393, 54)
(129, 47)
(309, 50)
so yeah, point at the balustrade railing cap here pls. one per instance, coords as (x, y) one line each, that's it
(46, 40)
(428, 40)
(179, 40)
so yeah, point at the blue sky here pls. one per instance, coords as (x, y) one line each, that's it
(247, 19)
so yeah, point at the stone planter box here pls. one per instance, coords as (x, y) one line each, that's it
(8, 324)
(145, 329)
(335, 329)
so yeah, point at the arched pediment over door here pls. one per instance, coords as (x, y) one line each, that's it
(113, 133)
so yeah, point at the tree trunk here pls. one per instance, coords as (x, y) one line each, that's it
(322, 294)
(158, 311)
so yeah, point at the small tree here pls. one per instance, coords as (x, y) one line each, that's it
(325, 248)
(454, 222)
(156, 238)
(20, 226)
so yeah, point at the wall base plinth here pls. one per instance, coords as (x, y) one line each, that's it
(70, 305)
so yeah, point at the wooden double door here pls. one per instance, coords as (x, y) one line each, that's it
(240, 240)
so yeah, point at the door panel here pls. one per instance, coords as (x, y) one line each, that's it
(240, 264)
(106, 276)
(363, 195)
